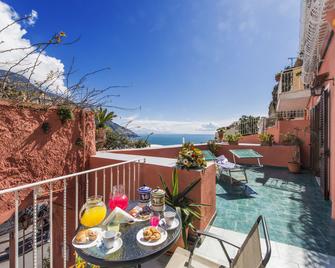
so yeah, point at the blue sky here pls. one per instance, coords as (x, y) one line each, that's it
(191, 65)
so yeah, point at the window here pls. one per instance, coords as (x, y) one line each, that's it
(287, 81)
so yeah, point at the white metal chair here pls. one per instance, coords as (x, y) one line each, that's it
(249, 255)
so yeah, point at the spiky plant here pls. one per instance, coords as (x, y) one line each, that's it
(102, 117)
(184, 206)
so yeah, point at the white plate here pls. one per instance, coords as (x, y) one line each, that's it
(173, 226)
(90, 244)
(117, 245)
(143, 242)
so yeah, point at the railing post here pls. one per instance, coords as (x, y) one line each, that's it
(104, 184)
(35, 227)
(76, 203)
(96, 183)
(16, 234)
(51, 224)
(64, 226)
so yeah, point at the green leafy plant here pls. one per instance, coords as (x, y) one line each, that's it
(266, 139)
(212, 146)
(79, 142)
(232, 138)
(185, 207)
(190, 157)
(64, 113)
(116, 140)
(45, 127)
(102, 117)
(291, 139)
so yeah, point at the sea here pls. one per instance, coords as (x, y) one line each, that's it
(173, 139)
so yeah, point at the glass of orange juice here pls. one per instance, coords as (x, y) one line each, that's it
(93, 212)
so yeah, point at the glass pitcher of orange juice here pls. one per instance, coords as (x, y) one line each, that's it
(93, 212)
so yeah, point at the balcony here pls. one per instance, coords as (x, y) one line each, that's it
(292, 218)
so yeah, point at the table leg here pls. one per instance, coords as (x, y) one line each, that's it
(259, 163)
(234, 159)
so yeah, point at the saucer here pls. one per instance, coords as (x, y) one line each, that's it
(173, 226)
(117, 245)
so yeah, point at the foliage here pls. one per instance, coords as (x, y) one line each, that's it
(266, 138)
(291, 139)
(102, 117)
(221, 129)
(212, 146)
(232, 137)
(64, 113)
(140, 143)
(81, 263)
(190, 157)
(115, 140)
(45, 127)
(179, 200)
(79, 142)
(247, 125)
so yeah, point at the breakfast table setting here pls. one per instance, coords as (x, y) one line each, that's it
(128, 233)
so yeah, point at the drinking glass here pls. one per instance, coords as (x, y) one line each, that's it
(118, 198)
(154, 219)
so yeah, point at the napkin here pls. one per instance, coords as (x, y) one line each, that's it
(118, 216)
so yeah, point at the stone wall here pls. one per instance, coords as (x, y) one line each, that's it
(28, 154)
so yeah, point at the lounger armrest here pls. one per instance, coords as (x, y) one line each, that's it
(205, 233)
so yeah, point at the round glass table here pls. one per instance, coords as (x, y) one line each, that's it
(131, 253)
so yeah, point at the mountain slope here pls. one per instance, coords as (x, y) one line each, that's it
(122, 130)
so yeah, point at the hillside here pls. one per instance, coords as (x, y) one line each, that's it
(122, 130)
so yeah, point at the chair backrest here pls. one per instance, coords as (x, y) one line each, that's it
(250, 253)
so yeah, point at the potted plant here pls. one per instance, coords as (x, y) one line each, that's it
(266, 139)
(294, 165)
(101, 118)
(179, 200)
(213, 146)
(190, 157)
(233, 139)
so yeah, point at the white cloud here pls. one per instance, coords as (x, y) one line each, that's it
(33, 17)
(13, 37)
(170, 126)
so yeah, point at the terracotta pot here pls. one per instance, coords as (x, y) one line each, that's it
(293, 167)
(233, 142)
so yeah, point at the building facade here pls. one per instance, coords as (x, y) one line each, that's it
(317, 50)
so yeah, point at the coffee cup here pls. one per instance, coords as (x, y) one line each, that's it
(109, 238)
(169, 217)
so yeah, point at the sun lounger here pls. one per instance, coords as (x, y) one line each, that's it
(224, 165)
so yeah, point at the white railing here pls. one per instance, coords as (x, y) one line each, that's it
(290, 114)
(126, 173)
(313, 32)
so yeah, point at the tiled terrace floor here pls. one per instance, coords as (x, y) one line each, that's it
(293, 206)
